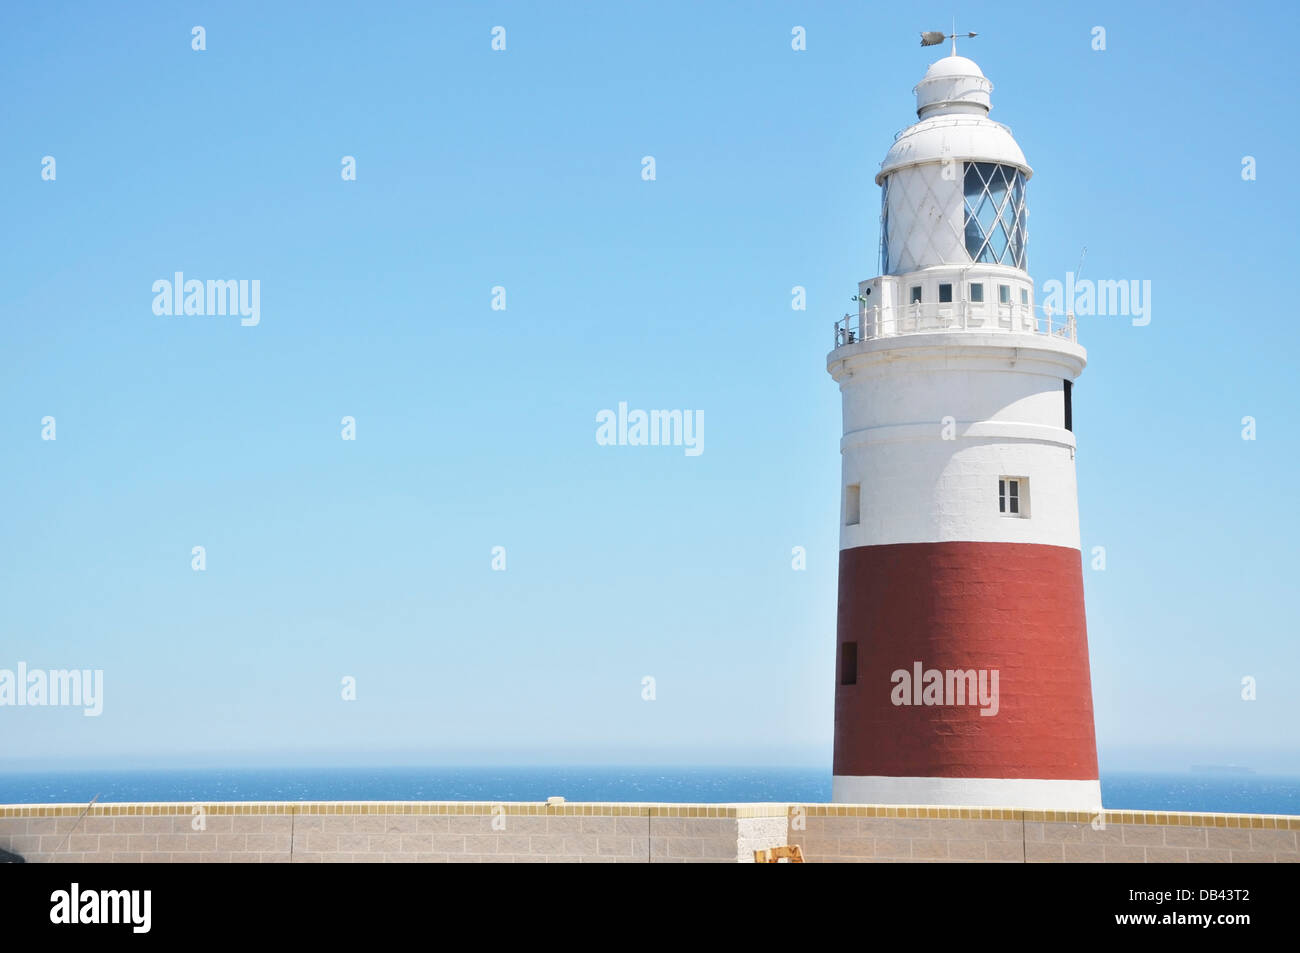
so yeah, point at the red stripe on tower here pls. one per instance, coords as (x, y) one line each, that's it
(1006, 608)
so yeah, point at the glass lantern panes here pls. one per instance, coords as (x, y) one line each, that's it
(995, 214)
(884, 227)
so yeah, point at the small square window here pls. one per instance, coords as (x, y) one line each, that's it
(1004, 294)
(977, 292)
(945, 294)
(852, 504)
(848, 663)
(915, 297)
(1024, 297)
(1013, 496)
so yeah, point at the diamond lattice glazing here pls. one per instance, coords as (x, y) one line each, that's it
(995, 214)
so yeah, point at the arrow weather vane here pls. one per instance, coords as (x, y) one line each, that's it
(935, 37)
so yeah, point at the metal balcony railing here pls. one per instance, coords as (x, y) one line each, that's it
(923, 317)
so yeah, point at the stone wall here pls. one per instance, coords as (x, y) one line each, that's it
(864, 834)
(465, 832)
(418, 832)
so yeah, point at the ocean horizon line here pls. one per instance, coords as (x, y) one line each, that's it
(1208, 791)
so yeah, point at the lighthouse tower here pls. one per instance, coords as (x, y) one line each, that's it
(962, 654)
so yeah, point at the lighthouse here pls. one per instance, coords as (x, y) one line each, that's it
(961, 646)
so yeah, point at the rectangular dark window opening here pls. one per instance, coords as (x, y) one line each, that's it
(852, 504)
(977, 293)
(1004, 294)
(848, 663)
(1069, 406)
(916, 294)
(945, 294)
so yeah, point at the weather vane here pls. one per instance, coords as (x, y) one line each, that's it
(935, 37)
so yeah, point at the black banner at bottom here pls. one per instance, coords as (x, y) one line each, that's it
(945, 902)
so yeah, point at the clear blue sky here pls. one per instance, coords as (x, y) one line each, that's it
(476, 428)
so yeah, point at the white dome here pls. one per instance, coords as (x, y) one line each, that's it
(957, 137)
(953, 66)
(953, 85)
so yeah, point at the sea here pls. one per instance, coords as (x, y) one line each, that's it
(1188, 791)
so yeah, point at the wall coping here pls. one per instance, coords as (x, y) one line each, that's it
(624, 809)
(539, 808)
(1162, 818)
